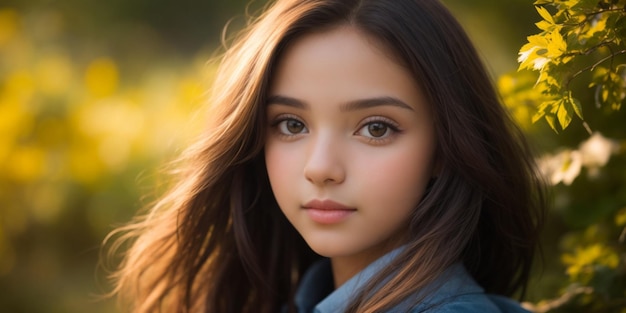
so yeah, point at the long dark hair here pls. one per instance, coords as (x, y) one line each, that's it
(218, 241)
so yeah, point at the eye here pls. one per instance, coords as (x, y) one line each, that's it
(291, 126)
(377, 129)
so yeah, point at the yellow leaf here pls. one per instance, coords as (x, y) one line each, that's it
(599, 24)
(563, 115)
(557, 45)
(532, 54)
(527, 56)
(543, 25)
(545, 14)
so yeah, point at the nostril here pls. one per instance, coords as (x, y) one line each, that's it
(324, 171)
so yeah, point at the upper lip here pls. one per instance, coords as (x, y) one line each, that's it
(326, 205)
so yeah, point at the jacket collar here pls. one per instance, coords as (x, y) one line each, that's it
(316, 295)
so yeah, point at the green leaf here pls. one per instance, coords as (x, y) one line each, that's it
(584, 5)
(620, 29)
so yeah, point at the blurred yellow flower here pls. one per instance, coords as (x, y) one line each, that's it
(26, 164)
(14, 122)
(190, 91)
(116, 115)
(54, 74)
(102, 77)
(84, 164)
(20, 86)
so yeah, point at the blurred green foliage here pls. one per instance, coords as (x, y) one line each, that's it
(96, 95)
(577, 86)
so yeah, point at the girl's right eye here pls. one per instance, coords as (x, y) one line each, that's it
(290, 127)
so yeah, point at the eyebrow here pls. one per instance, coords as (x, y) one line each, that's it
(354, 105)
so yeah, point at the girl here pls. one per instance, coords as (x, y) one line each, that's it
(358, 160)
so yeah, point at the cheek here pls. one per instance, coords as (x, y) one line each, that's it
(397, 179)
(281, 166)
(272, 162)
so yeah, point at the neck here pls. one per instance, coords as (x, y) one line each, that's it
(345, 267)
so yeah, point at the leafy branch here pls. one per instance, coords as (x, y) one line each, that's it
(593, 66)
(569, 45)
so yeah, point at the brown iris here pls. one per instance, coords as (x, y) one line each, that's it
(377, 129)
(294, 126)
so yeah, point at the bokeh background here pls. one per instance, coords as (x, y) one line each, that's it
(95, 96)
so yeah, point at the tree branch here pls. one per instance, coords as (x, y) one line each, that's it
(555, 303)
(593, 66)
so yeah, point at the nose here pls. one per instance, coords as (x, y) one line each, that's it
(324, 164)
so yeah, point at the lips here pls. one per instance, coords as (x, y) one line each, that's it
(327, 211)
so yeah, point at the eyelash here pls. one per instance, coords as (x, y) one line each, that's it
(392, 128)
(285, 118)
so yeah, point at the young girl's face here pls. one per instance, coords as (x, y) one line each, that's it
(350, 148)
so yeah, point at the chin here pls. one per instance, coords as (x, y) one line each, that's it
(332, 250)
(326, 250)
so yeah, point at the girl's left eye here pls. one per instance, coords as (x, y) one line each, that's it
(377, 130)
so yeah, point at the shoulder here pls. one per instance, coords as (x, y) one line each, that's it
(474, 303)
(456, 291)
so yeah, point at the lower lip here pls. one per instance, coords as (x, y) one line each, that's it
(328, 216)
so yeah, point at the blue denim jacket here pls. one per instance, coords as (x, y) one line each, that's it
(456, 291)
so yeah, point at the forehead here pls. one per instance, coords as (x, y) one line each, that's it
(342, 62)
(341, 39)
